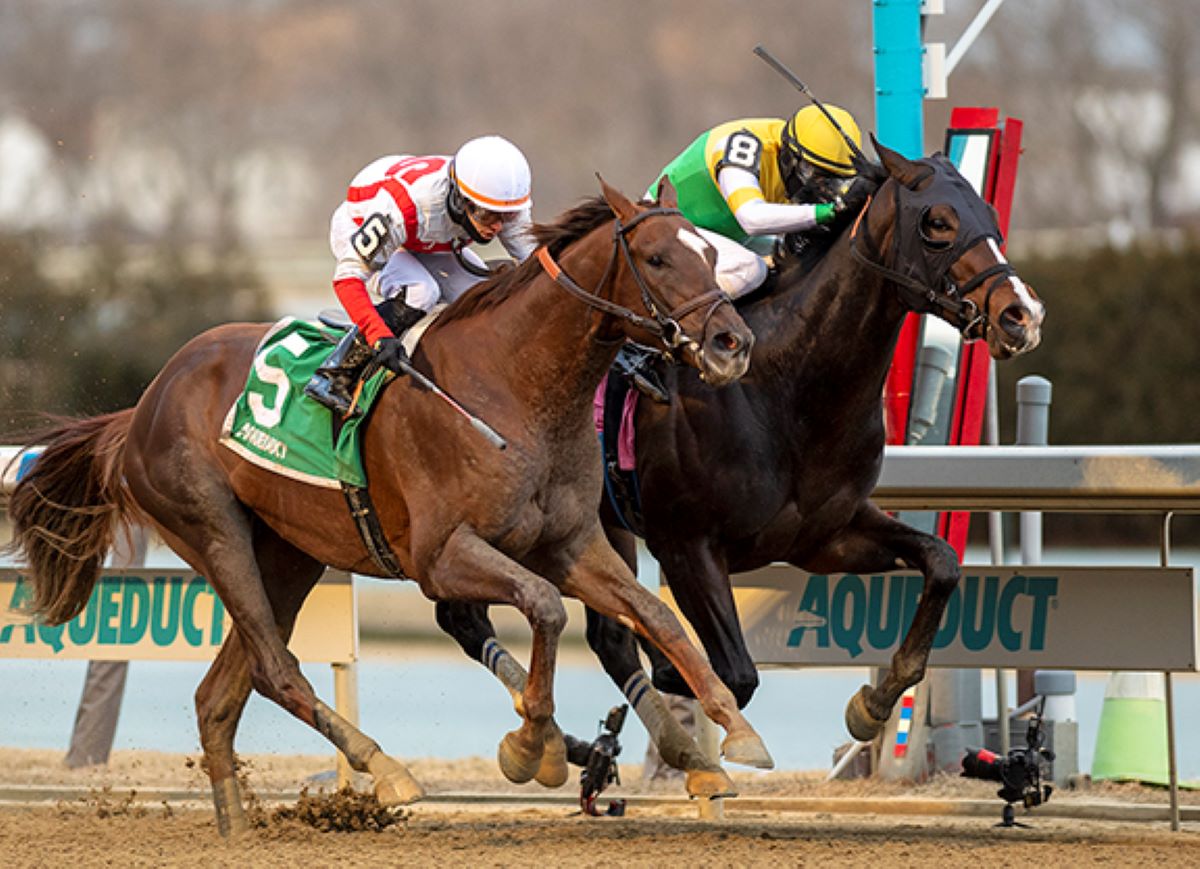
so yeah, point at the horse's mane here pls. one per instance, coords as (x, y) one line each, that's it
(569, 228)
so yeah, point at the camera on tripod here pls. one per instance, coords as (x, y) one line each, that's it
(1019, 772)
(600, 770)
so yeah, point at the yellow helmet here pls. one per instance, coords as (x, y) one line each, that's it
(811, 137)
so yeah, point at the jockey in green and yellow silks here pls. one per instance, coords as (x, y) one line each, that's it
(763, 176)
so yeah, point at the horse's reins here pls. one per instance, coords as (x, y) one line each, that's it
(663, 326)
(952, 305)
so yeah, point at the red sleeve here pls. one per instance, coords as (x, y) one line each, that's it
(352, 293)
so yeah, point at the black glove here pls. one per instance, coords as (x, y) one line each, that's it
(852, 200)
(390, 354)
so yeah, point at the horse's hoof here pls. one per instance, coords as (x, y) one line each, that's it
(859, 721)
(862, 725)
(553, 770)
(709, 783)
(394, 784)
(231, 817)
(517, 764)
(748, 750)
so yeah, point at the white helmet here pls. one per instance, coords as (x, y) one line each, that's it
(493, 173)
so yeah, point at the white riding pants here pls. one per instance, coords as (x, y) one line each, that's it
(739, 269)
(424, 278)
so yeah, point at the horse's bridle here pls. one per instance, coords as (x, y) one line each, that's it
(663, 326)
(917, 272)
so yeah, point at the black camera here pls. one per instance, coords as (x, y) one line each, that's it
(1019, 772)
(600, 770)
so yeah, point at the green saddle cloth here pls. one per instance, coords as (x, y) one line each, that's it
(276, 426)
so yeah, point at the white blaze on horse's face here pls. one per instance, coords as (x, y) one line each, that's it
(692, 239)
(1037, 311)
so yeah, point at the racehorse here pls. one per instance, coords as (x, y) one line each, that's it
(779, 466)
(461, 517)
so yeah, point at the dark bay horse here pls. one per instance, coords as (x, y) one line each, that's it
(779, 467)
(467, 521)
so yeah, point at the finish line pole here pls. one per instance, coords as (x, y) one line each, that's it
(899, 91)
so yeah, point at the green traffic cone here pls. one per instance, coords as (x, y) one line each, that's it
(1131, 744)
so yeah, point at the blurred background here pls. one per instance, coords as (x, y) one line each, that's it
(166, 165)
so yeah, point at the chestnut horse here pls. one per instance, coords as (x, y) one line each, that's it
(779, 467)
(467, 521)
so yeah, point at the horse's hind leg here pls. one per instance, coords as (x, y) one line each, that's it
(872, 542)
(617, 649)
(207, 525)
(220, 699)
(469, 625)
(221, 696)
(469, 569)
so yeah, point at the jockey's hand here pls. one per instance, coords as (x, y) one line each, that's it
(390, 353)
(849, 202)
(854, 197)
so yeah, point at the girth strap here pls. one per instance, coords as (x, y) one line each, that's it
(362, 511)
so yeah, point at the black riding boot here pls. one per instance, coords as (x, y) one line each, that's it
(333, 383)
(399, 315)
(637, 363)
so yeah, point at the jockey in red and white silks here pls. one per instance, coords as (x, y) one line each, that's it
(423, 214)
(395, 238)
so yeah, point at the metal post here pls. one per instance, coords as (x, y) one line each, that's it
(104, 685)
(1172, 767)
(1033, 426)
(996, 540)
(345, 701)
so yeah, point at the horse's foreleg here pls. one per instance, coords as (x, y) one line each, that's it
(876, 542)
(471, 628)
(699, 579)
(602, 581)
(617, 650)
(469, 569)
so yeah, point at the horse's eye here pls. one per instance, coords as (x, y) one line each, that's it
(654, 260)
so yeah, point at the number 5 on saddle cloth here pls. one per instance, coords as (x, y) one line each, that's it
(274, 425)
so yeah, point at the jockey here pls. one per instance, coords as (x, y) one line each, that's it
(763, 176)
(756, 177)
(398, 239)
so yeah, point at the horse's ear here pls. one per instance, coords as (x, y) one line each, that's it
(865, 168)
(903, 170)
(617, 201)
(666, 193)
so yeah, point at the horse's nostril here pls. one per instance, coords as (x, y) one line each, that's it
(729, 341)
(1012, 320)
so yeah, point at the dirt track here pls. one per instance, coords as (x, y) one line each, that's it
(105, 827)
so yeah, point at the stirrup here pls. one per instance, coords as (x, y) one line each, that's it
(636, 363)
(647, 382)
(324, 392)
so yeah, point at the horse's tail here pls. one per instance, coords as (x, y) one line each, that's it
(67, 508)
